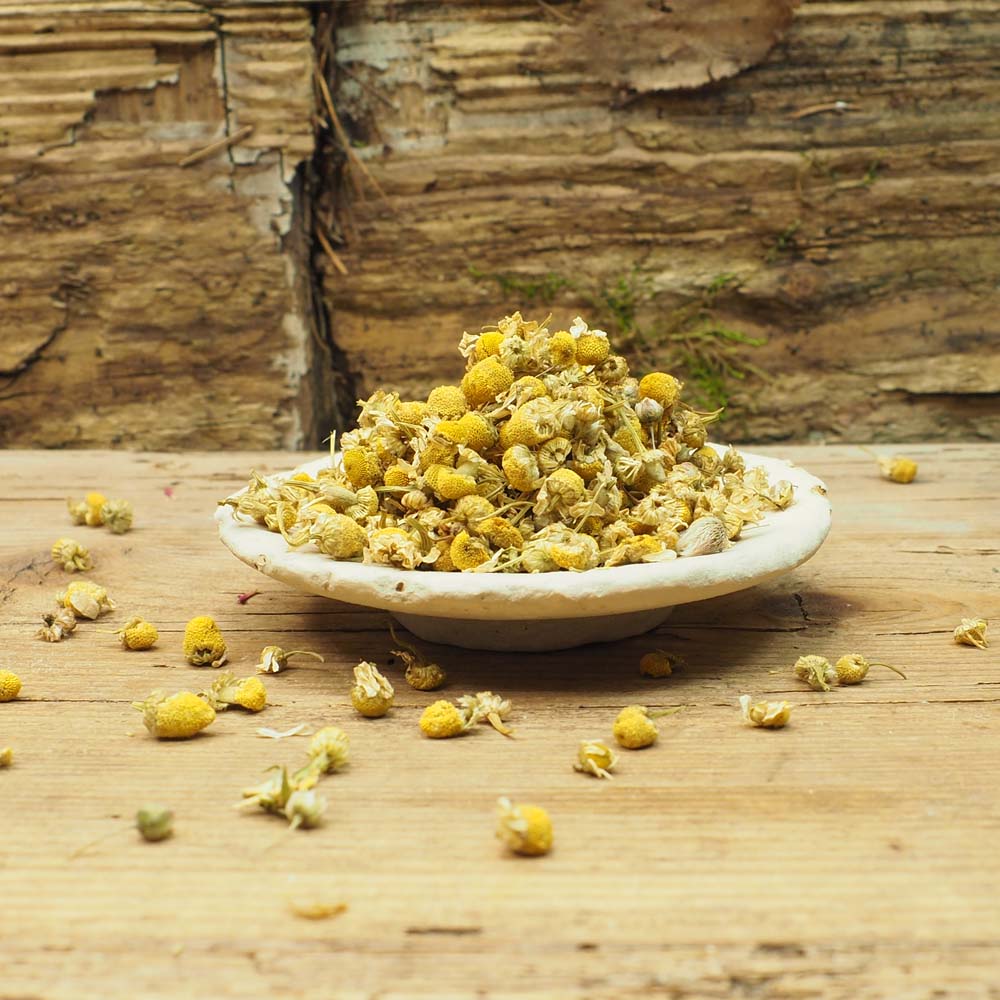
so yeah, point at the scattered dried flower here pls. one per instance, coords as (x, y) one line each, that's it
(86, 599)
(154, 822)
(372, 693)
(6, 757)
(525, 829)
(137, 633)
(88, 510)
(972, 632)
(304, 808)
(71, 555)
(634, 728)
(274, 659)
(246, 692)
(177, 717)
(329, 750)
(485, 706)
(816, 671)
(595, 758)
(853, 668)
(56, 625)
(767, 714)
(203, 642)
(705, 536)
(10, 685)
(420, 674)
(898, 469)
(658, 663)
(442, 720)
(117, 515)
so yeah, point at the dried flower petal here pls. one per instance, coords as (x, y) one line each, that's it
(372, 693)
(767, 714)
(816, 671)
(595, 758)
(972, 632)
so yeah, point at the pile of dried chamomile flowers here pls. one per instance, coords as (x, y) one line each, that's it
(95, 509)
(547, 456)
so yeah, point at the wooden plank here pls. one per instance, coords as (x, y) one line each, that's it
(849, 855)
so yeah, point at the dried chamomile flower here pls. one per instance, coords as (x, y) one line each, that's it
(154, 822)
(272, 794)
(177, 717)
(6, 756)
(56, 625)
(662, 387)
(898, 469)
(767, 714)
(442, 720)
(658, 663)
(485, 706)
(204, 645)
(305, 809)
(274, 659)
(245, 692)
(853, 668)
(137, 633)
(372, 693)
(420, 673)
(703, 537)
(634, 728)
(816, 671)
(972, 632)
(88, 510)
(10, 685)
(329, 750)
(71, 555)
(525, 829)
(595, 758)
(86, 599)
(117, 515)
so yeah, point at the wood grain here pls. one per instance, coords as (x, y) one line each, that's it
(851, 855)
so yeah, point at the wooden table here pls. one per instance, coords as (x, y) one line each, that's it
(853, 854)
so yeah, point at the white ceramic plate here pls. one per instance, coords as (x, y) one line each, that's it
(536, 611)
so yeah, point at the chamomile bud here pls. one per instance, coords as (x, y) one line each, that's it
(648, 410)
(56, 625)
(177, 717)
(595, 758)
(10, 685)
(154, 822)
(331, 748)
(6, 756)
(372, 693)
(853, 668)
(117, 515)
(898, 469)
(86, 599)
(274, 659)
(485, 706)
(972, 632)
(766, 714)
(658, 663)
(247, 692)
(634, 729)
(137, 634)
(204, 645)
(304, 809)
(442, 720)
(420, 674)
(71, 555)
(816, 671)
(525, 829)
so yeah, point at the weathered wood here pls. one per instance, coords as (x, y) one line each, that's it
(528, 166)
(143, 303)
(850, 855)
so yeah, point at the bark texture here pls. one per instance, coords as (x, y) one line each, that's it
(838, 200)
(144, 303)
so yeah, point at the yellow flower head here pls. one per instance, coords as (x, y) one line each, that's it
(246, 692)
(137, 634)
(330, 749)
(500, 532)
(816, 671)
(178, 717)
(658, 663)
(448, 484)
(362, 467)
(634, 729)
(338, 536)
(486, 380)
(6, 756)
(442, 720)
(396, 475)
(372, 693)
(562, 348)
(853, 668)
(447, 401)
(412, 411)
(467, 552)
(592, 349)
(10, 685)
(525, 829)
(473, 430)
(521, 468)
(972, 632)
(662, 387)
(86, 599)
(488, 345)
(95, 502)
(203, 642)
(117, 515)
(898, 469)
(71, 555)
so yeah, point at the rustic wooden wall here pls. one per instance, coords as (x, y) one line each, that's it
(680, 172)
(143, 303)
(607, 156)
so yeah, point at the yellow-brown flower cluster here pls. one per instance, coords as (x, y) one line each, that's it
(547, 455)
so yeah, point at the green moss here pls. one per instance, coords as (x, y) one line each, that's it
(524, 289)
